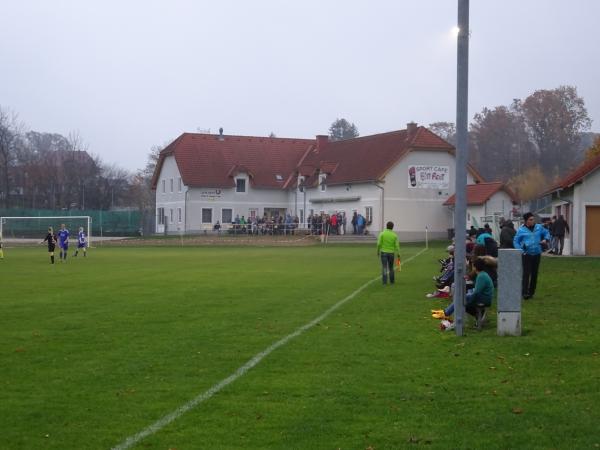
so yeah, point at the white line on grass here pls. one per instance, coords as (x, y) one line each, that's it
(171, 417)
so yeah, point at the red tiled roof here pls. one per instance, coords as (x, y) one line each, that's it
(205, 160)
(369, 158)
(478, 194)
(586, 168)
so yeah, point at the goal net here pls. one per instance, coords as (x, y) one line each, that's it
(31, 230)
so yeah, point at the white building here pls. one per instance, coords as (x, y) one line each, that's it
(577, 198)
(404, 176)
(488, 203)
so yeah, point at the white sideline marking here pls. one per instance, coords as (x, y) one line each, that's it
(171, 417)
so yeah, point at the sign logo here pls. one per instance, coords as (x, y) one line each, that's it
(212, 194)
(428, 177)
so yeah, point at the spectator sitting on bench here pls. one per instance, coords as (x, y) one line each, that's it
(481, 295)
(217, 227)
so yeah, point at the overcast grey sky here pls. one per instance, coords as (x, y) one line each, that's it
(131, 74)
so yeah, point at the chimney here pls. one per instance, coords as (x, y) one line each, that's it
(322, 141)
(411, 128)
(221, 137)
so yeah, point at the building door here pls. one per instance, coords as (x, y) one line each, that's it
(592, 225)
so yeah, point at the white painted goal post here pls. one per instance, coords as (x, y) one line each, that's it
(22, 227)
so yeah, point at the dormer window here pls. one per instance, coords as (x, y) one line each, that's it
(240, 185)
(322, 184)
(278, 177)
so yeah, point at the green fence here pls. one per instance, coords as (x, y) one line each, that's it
(104, 223)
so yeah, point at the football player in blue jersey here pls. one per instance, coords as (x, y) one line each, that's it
(81, 242)
(63, 242)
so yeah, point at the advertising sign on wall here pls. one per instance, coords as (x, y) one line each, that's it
(212, 194)
(428, 177)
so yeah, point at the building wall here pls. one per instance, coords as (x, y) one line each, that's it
(241, 203)
(413, 209)
(170, 200)
(359, 197)
(499, 203)
(585, 194)
(474, 215)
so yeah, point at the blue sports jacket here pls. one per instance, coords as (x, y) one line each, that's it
(529, 241)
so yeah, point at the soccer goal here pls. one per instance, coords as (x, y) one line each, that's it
(31, 230)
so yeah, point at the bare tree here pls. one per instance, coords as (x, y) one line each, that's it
(10, 131)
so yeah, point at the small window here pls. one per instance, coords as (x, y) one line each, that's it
(160, 212)
(164, 186)
(206, 215)
(180, 184)
(369, 214)
(322, 184)
(240, 185)
(226, 215)
(278, 177)
(171, 183)
(171, 215)
(179, 215)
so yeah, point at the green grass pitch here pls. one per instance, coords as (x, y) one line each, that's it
(96, 350)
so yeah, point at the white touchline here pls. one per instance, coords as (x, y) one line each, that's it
(171, 417)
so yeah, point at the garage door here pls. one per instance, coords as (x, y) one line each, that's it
(592, 230)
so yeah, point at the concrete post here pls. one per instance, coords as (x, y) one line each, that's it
(510, 275)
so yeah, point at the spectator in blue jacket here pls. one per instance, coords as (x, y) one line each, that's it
(529, 239)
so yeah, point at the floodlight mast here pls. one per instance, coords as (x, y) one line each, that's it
(460, 213)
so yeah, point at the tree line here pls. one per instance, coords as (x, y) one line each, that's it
(527, 144)
(41, 170)
(530, 143)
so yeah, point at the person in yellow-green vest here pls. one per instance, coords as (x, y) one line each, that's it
(387, 248)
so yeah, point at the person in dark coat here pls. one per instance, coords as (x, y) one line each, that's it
(507, 234)
(558, 231)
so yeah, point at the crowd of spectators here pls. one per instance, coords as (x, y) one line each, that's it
(266, 225)
(316, 224)
(481, 257)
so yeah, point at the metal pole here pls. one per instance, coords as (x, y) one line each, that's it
(460, 219)
(304, 207)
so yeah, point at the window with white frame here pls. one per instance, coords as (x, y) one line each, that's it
(171, 215)
(164, 186)
(206, 215)
(301, 183)
(369, 214)
(240, 185)
(322, 184)
(171, 183)
(226, 215)
(160, 213)
(180, 184)
(179, 215)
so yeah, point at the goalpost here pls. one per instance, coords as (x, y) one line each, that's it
(35, 227)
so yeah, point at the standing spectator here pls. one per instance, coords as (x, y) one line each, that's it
(333, 222)
(343, 222)
(353, 221)
(553, 241)
(529, 239)
(387, 248)
(472, 231)
(360, 224)
(507, 234)
(559, 228)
